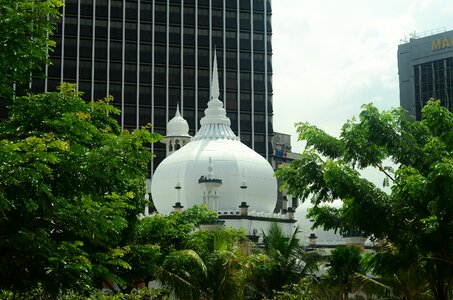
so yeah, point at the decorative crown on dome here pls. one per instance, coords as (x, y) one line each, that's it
(215, 124)
(178, 126)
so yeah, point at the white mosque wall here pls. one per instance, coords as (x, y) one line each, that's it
(255, 227)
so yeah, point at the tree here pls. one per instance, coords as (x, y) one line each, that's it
(344, 263)
(214, 265)
(288, 261)
(416, 218)
(399, 276)
(157, 236)
(72, 184)
(25, 28)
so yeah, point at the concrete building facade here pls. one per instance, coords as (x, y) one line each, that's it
(425, 67)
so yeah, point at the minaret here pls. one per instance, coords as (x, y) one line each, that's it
(177, 133)
(210, 184)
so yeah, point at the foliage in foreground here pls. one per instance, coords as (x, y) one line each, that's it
(287, 263)
(71, 187)
(213, 265)
(139, 294)
(25, 27)
(415, 220)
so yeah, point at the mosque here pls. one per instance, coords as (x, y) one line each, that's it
(216, 169)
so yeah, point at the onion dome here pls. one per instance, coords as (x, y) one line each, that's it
(178, 125)
(233, 160)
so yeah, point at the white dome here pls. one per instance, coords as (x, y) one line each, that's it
(328, 237)
(178, 125)
(232, 162)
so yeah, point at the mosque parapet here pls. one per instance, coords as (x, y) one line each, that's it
(254, 215)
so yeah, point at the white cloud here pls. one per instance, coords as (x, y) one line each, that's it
(330, 57)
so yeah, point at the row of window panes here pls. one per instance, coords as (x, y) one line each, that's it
(131, 13)
(116, 30)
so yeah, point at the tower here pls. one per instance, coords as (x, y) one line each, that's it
(425, 67)
(210, 185)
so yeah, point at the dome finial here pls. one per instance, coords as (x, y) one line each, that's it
(215, 92)
(177, 114)
(215, 124)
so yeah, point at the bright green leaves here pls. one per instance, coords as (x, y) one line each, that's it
(173, 230)
(214, 264)
(68, 174)
(439, 120)
(416, 219)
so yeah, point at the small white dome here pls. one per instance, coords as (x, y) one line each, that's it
(177, 126)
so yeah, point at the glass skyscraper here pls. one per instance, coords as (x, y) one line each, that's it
(425, 67)
(150, 55)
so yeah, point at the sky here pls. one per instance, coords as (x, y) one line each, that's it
(330, 56)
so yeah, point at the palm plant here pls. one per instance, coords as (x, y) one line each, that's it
(214, 265)
(289, 262)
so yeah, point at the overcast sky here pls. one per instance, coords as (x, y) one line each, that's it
(331, 56)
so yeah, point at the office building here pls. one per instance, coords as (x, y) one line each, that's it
(151, 55)
(425, 67)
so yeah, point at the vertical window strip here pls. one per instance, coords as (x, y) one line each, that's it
(224, 53)
(153, 9)
(167, 62)
(196, 66)
(93, 47)
(138, 67)
(123, 58)
(181, 69)
(109, 9)
(238, 61)
(78, 47)
(266, 96)
(252, 83)
(447, 98)
(210, 49)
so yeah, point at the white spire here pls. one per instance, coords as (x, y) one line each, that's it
(177, 114)
(215, 124)
(215, 92)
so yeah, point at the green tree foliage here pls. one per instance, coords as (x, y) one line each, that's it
(25, 27)
(343, 264)
(157, 236)
(308, 288)
(71, 187)
(416, 218)
(214, 265)
(288, 262)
